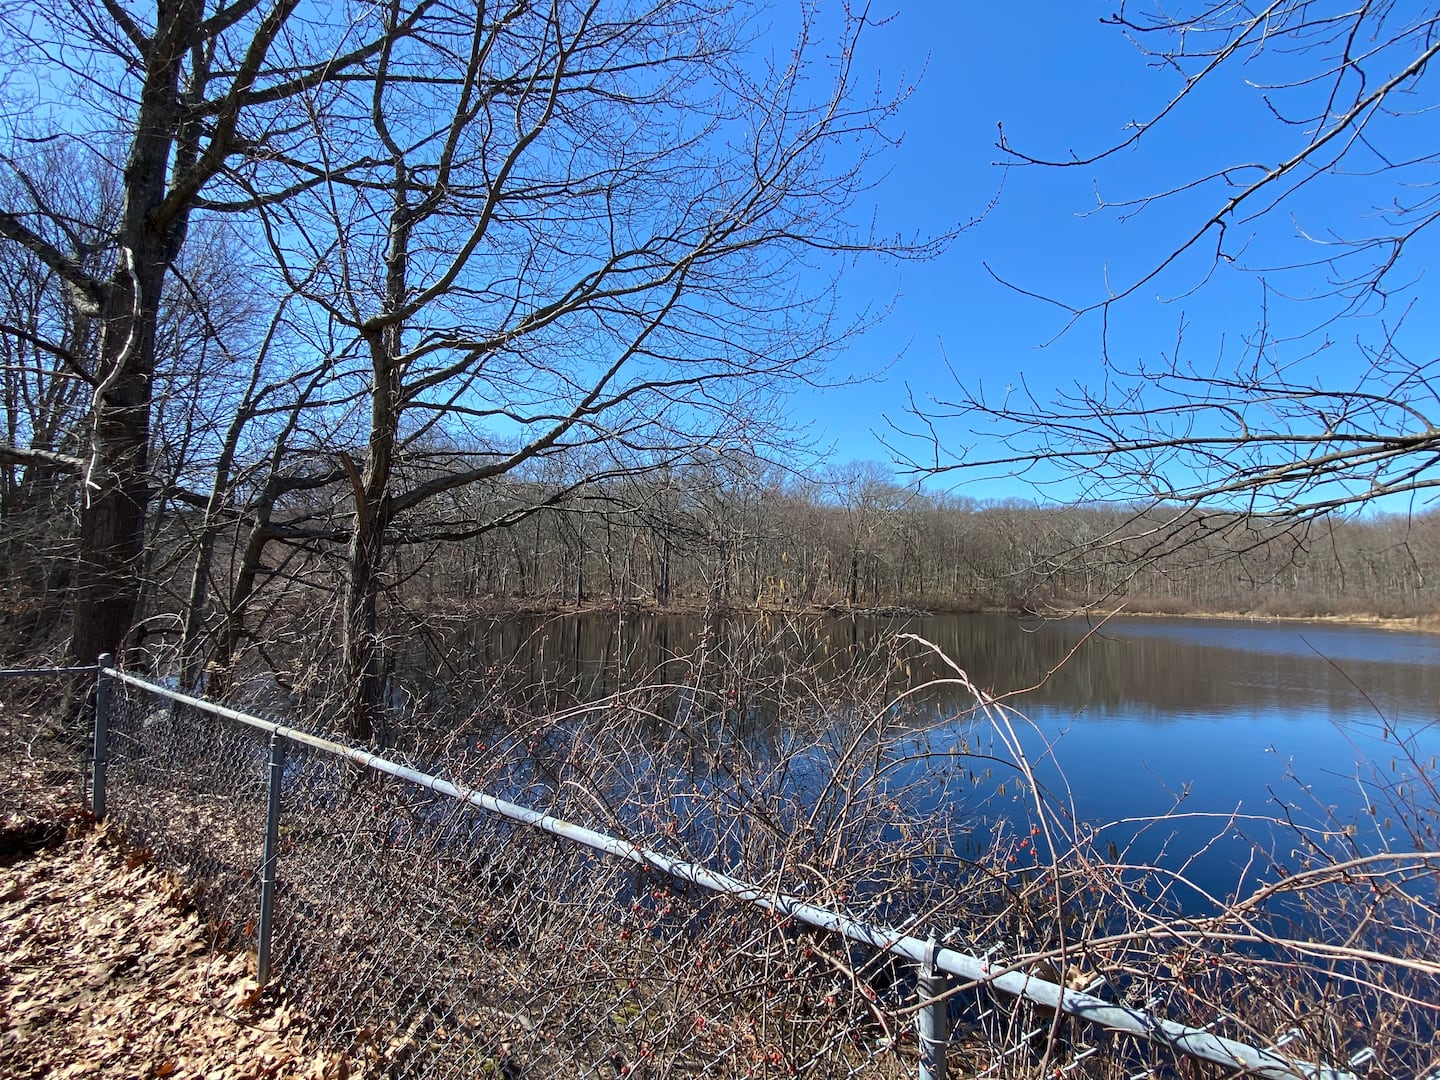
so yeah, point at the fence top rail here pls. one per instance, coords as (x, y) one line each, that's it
(24, 673)
(1191, 1041)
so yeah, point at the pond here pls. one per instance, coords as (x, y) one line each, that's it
(1218, 726)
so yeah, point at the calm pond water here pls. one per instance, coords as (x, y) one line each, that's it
(1239, 715)
(1142, 716)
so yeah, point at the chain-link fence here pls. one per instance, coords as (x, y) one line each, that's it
(44, 762)
(430, 930)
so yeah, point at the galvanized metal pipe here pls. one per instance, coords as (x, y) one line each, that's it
(101, 750)
(1181, 1038)
(933, 1021)
(269, 858)
(45, 672)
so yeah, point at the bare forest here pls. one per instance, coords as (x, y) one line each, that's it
(301, 296)
(324, 324)
(310, 315)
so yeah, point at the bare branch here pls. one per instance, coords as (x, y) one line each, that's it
(87, 291)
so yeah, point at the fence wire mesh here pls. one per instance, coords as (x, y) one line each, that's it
(472, 946)
(190, 787)
(426, 936)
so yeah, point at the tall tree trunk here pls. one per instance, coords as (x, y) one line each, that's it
(662, 577)
(232, 629)
(117, 486)
(363, 665)
(117, 489)
(363, 660)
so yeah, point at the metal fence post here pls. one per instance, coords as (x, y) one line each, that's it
(271, 855)
(102, 735)
(934, 1018)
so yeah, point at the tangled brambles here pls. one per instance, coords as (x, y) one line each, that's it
(421, 934)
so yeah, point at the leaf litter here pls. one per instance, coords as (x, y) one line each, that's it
(106, 971)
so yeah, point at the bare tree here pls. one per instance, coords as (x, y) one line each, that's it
(195, 95)
(585, 225)
(46, 348)
(1332, 226)
(872, 507)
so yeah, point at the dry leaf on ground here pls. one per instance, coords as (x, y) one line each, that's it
(103, 973)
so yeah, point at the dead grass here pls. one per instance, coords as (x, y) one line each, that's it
(1425, 624)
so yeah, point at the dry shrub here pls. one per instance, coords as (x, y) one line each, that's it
(429, 936)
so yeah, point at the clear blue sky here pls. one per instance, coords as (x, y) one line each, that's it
(1059, 81)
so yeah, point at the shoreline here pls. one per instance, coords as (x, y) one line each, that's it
(694, 608)
(1412, 624)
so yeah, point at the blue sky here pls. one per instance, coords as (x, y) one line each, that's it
(1058, 80)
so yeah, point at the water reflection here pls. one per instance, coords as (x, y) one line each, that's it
(1156, 670)
(1222, 722)
(1169, 670)
(1219, 727)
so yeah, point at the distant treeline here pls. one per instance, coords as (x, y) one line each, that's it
(720, 535)
(856, 538)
